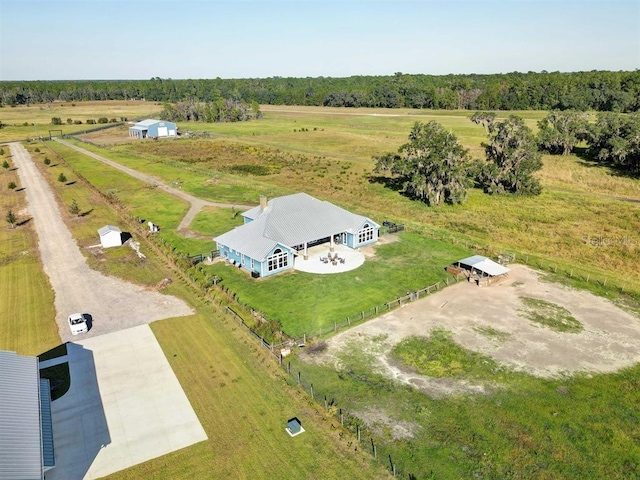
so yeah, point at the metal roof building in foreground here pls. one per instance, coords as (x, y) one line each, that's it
(26, 434)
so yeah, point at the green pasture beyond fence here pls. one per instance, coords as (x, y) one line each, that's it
(350, 423)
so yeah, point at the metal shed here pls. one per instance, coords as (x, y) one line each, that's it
(110, 236)
(483, 269)
(153, 129)
(26, 434)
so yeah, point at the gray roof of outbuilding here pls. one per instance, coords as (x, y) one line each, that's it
(290, 220)
(108, 229)
(20, 440)
(148, 122)
(485, 265)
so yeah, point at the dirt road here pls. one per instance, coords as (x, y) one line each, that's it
(490, 321)
(112, 303)
(196, 204)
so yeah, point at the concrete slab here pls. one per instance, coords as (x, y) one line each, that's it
(125, 406)
(352, 260)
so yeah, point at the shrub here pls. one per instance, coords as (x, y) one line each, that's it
(47, 161)
(62, 178)
(77, 122)
(12, 185)
(69, 121)
(56, 121)
(91, 122)
(74, 208)
(11, 218)
(37, 150)
(113, 120)
(103, 120)
(1, 151)
(5, 164)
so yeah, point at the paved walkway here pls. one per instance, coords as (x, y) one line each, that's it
(111, 303)
(196, 204)
(125, 406)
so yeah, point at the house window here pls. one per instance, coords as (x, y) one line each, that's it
(278, 260)
(242, 257)
(366, 233)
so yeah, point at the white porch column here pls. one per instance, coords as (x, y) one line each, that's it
(331, 247)
(306, 251)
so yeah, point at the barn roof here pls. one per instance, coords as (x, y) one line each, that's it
(290, 220)
(484, 265)
(22, 450)
(108, 229)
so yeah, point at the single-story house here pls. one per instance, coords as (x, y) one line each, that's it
(153, 129)
(482, 268)
(26, 432)
(110, 236)
(276, 231)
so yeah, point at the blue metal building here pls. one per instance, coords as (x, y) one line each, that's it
(153, 129)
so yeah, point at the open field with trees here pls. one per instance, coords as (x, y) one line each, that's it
(23, 121)
(239, 395)
(585, 220)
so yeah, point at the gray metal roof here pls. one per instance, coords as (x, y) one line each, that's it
(108, 229)
(290, 220)
(21, 455)
(485, 265)
(150, 121)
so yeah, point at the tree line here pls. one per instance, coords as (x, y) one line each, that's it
(434, 168)
(581, 91)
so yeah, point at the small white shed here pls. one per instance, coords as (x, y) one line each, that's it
(110, 236)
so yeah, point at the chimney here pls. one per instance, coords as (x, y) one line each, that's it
(263, 202)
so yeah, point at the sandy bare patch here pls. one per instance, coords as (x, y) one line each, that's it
(489, 321)
(370, 250)
(378, 420)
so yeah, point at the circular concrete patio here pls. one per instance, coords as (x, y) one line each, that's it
(352, 260)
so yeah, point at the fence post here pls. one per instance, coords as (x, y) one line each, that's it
(289, 368)
(304, 338)
(298, 377)
(358, 430)
(325, 402)
(373, 446)
(341, 418)
(312, 397)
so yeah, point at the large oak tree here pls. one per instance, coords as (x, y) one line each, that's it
(512, 159)
(431, 167)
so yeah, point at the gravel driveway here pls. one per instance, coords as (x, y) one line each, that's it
(112, 303)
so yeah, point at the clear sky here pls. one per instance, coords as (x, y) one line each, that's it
(118, 39)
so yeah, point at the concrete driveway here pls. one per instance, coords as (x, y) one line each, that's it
(125, 406)
(112, 303)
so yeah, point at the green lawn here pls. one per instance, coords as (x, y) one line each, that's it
(305, 302)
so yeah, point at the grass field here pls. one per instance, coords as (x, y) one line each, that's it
(239, 394)
(575, 427)
(27, 324)
(332, 159)
(578, 427)
(33, 121)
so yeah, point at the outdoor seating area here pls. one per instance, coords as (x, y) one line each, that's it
(333, 259)
(322, 260)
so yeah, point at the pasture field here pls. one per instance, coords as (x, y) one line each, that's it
(238, 394)
(27, 316)
(33, 121)
(569, 426)
(580, 202)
